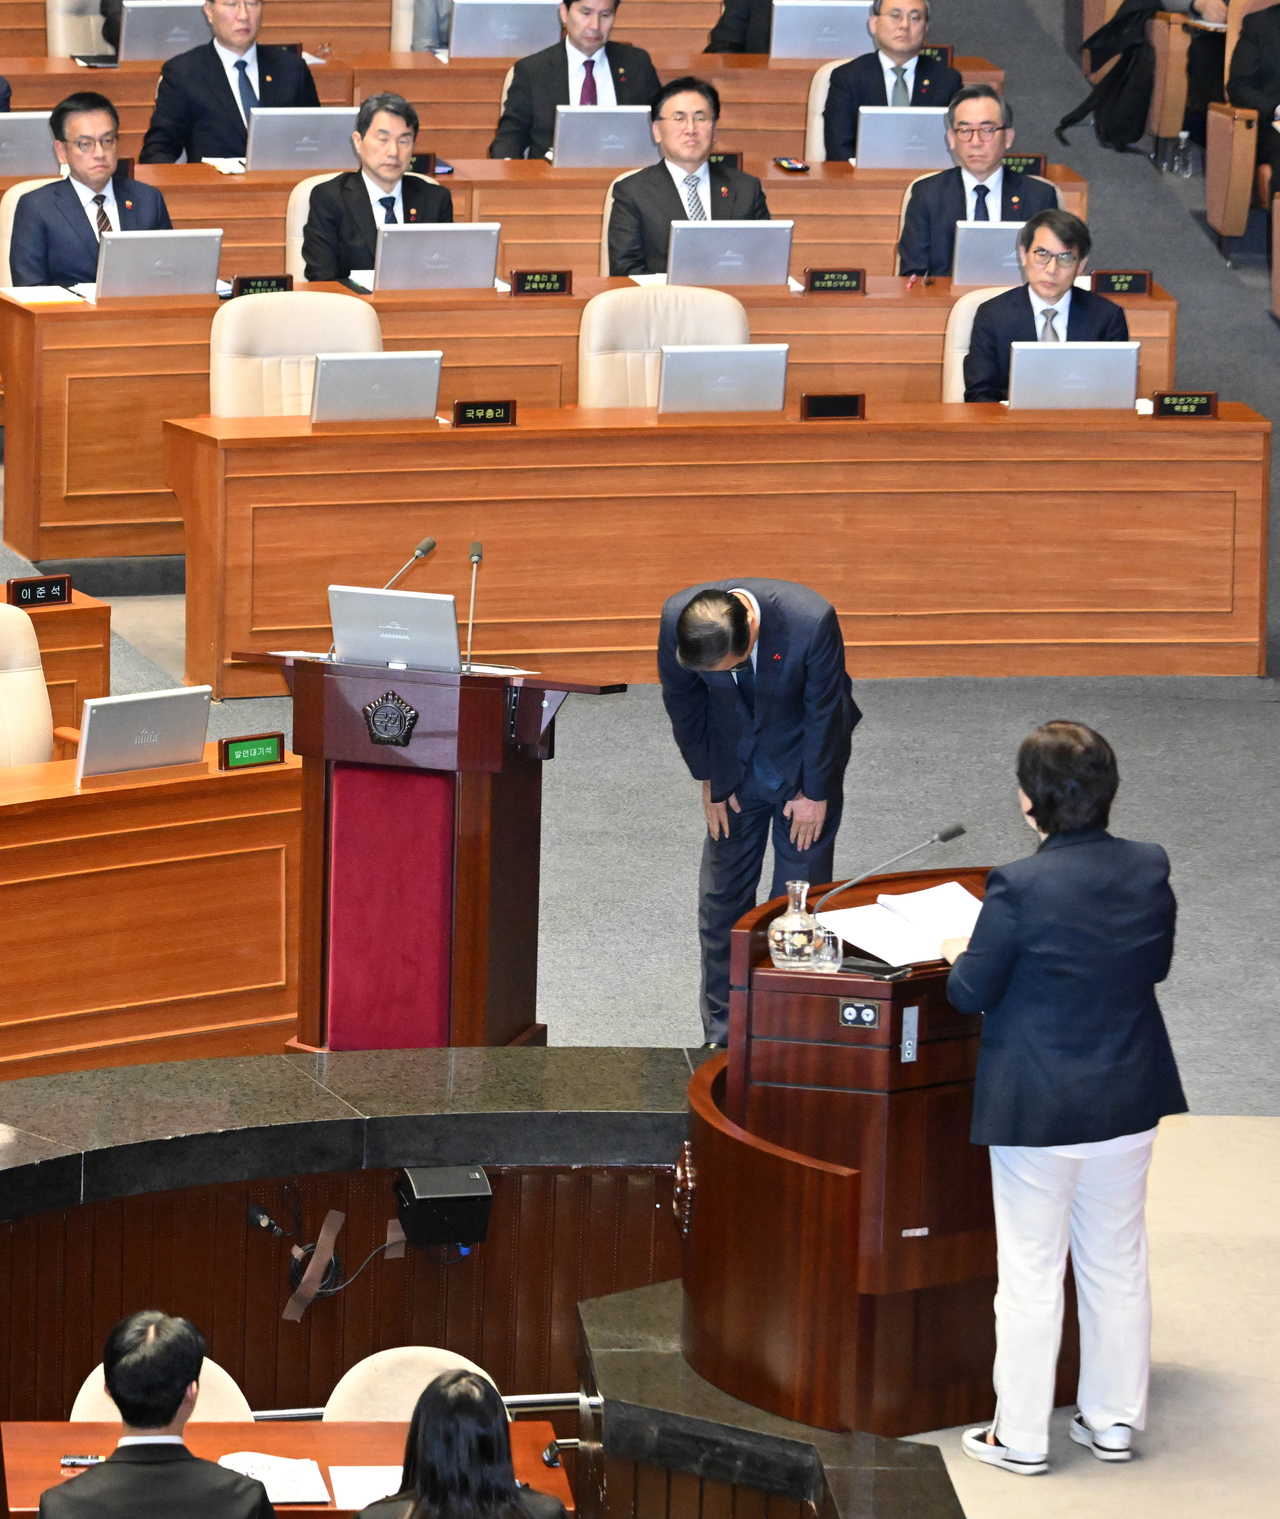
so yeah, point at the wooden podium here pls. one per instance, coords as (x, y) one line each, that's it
(840, 1263)
(422, 803)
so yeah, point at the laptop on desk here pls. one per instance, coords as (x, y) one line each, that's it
(820, 29)
(159, 263)
(376, 387)
(404, 630)
(26, 147)
(903, 137)
(442, 256)
(723, 377)
(312, 138)
(503, 28)
(603, 137)
(729, 253)
(1070, 376)
(986, 254)
(157, 30)
(122, 733)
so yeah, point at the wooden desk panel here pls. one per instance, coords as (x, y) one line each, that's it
(75, 651)
(942, 548)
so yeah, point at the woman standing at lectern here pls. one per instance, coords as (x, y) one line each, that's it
(1075, 1071)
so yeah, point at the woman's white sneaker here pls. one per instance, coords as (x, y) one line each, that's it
(974, 1444)
(1107, 1444)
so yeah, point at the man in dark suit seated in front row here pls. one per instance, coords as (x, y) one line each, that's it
(980, 189)
(57, 229)
(342, 224)
(1053, 249)
(205, 95)
(152, 1364)
(682, 186)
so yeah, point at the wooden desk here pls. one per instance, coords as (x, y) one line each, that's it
(32, 1452)
(951, 539)
(148, 920)
(75, 651)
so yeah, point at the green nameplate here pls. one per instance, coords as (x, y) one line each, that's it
(260, 284)
(1122, 282)
(725, 160)
(938, 52)
(484, 413)
(1186, 403)
(1024, 163)
(245, 753)
(541, 282)
(835, 281)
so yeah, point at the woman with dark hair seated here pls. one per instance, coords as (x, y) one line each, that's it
(457, 1459)
(1075, 1071)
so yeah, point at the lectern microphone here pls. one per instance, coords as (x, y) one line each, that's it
(943, 836)
(477, 554)
(421, 552)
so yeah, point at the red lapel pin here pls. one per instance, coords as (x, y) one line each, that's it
(777, 656)
(724, 192)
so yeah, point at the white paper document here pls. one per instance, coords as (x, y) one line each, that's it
(40, 295)
(356, 1487)
(226, 165)
(907, 928)
(286, 1480)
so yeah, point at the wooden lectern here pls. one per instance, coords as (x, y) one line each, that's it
(840, 1265)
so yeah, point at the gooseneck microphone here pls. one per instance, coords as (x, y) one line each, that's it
(421, 552)
(477, 554)
(943, 836)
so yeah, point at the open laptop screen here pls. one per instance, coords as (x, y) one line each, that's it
(121, 733)
(729, 253)
(1067, 376)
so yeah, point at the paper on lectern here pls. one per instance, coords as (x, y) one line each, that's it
(286, 1480)
(907, 928)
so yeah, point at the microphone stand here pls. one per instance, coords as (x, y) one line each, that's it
(476, 555)
(875, 871)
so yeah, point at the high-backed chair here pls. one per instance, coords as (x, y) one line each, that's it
(26, 720)
(1234, 181)
(815, 142)
(621, 335)
(605, 220)
(262, 349)
(906, 196)
(401, 26)
(506, 88)
(295, 218)
(1170, 37)
(72, 26)
(955, 345)
(383, 1388)
(8, 205)
(220, 1400)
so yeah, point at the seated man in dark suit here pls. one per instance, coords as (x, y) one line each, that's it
(6, 95)
(1254, 81)
(981, 189)
(894, 74)
(1053, 249)
(342, 226)
(152, 1368)
(682, 186)
(585, 69)
(205, 96)
(57, 228)
(744, 27)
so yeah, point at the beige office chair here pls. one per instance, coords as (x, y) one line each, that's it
(220, 1400)
(604, 222)
(506, 86)
(295, 218)
(401, 26)
(383, 1388)
(262, 349)
(1234, 181)
(815, 142)
(72, 26)
(26, 720)
(621, 335)
(8, 205)
(955, 345)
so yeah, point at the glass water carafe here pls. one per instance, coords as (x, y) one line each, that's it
(792, 934)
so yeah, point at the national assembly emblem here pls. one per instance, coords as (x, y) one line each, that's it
(390, 720)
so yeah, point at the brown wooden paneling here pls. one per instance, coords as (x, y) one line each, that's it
(75, 653)
(637, 1490)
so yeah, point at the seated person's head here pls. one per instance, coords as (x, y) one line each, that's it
(457, 1458)
(86, 137)
(898, 27)
(1053, 248)
(979, 129)
(234, 23)
(151, 1364)
(713, 632)
(684, 115)
(587, 23)
(386, 130)
(1067, 778)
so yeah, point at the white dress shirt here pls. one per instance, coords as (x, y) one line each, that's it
(741, 590)
(704, 186)
(890, 78)
(605, 92)
(377, 194)
(995, 194)
(1062, 307)
(90, 210)
(150, 1440)
(229, 61)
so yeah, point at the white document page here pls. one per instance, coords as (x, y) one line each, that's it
(907, 928)
(41, 295)
(355, 1487)
(949, 910)
(286, 1480)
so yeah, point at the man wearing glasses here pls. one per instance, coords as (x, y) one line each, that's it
(1053, 249)
(205, 95)
(980, 189)
(57, 228)
(683, 186)
(894, 74)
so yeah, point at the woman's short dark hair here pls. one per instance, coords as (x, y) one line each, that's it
(77, 105)
(393, 104)
(457, 1458)
(686, 85)
(712, 625)
(1070, 231)
(1069, 772)
(148, 1363)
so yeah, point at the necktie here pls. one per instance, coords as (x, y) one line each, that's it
(693, 199)
(588, 96)
(389, 201)
(747, 683)
(1048, 333)
(980, 212)
(247, 98)
(901, 95)
(104, 221)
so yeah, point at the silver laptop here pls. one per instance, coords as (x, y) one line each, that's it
(371, 387)
(443, 256)
(903, 137)
(987, 254)
(1068, 376)
(723, 377)
(26, 144)
(729, 253)
(311, 138)
(141, 732)
(603, 137)
(503, 28)
(406, 630)
(154, 30)
(159, 263)
(820, 29)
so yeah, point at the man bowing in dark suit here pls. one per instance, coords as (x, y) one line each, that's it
(205, 95)
(342, 225)
(981, 189)
(57, 228)
(754, 683)
(1053, 248)
(585, 69)
(682, 186)
(894, 74)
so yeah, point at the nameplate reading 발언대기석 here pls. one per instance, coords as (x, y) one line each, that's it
(253, 750)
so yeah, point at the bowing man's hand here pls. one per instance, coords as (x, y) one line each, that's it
(717, 813)
(952, 949)
(806, 818)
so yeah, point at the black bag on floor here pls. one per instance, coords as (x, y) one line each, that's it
(1121, 100)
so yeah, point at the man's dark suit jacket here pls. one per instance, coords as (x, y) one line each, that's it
(744, 27)
(1008, 318)
(52, 242)
(535, 1506)
(196, 110)
(646, 203)
(1064, 962)
(861, 82)
(928, 241)
(6, 95)
(341, 232)
(540, 83)
(804, 710)
(1255, 66)
(160, 1482)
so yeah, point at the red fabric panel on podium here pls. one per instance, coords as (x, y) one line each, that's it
(390, 907)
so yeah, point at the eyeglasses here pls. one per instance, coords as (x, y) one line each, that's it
(234, 7)
(682, 119)
(88, 144)
(968, 133)
(1064, 260)
(914, 17)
